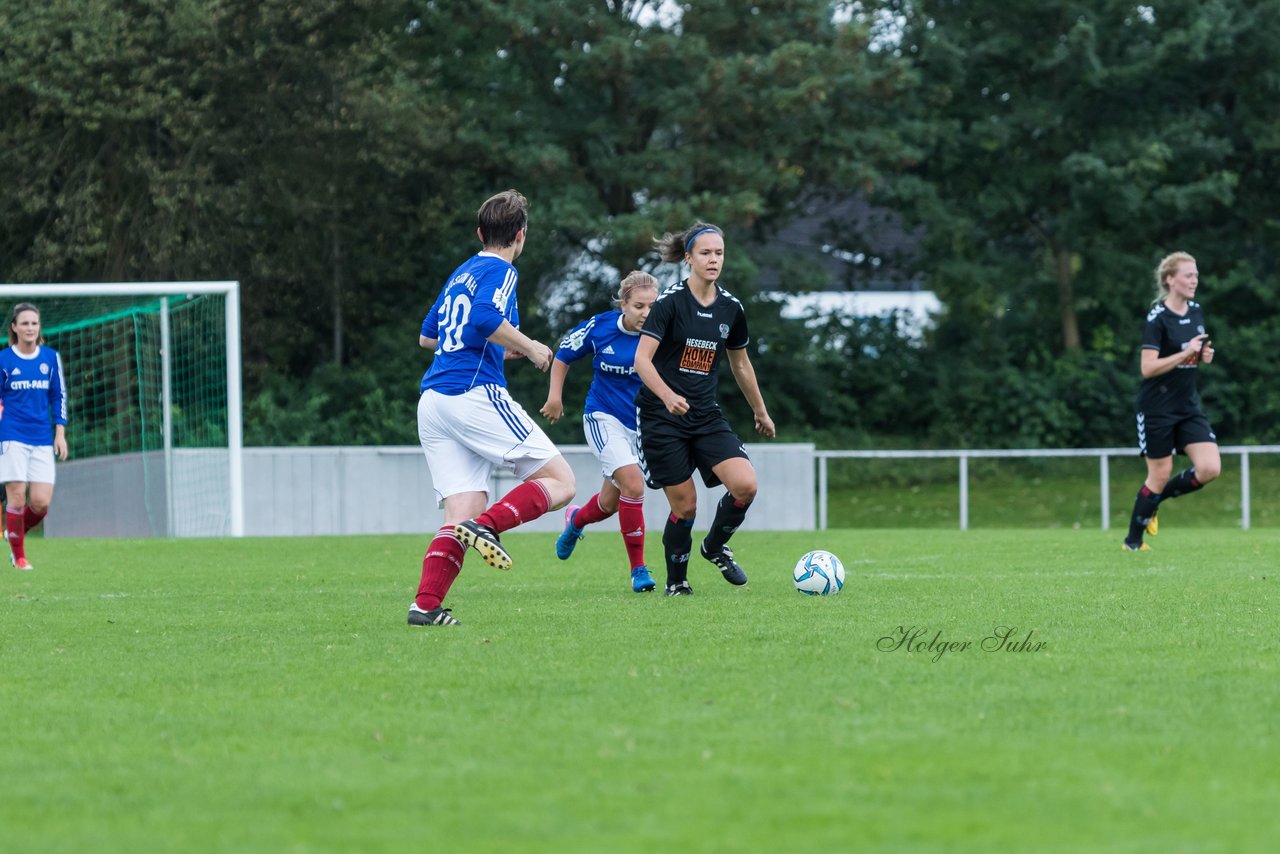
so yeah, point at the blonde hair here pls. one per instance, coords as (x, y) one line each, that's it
(1166, 268)
(636, 280)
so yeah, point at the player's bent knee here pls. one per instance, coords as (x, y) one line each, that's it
(559, 491)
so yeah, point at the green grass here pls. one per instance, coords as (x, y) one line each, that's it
(266, 695)
(1035, 494)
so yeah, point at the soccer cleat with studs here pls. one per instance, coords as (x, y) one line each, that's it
(434, 617)
(1130, 547)
(641, 581)
(484, 540)
(569, 537)
(1153, 526)
(681, 589)
(20, 563)
(729, 568)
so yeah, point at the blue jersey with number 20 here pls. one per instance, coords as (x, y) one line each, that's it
(478, 297)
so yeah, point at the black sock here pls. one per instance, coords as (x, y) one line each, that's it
(677, 542)
(729, 515)
(1181, 484)
(1144, 507)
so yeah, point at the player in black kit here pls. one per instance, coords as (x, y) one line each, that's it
(1174, 344)
(690, 329)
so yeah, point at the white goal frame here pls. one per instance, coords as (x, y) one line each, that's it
(230, 291)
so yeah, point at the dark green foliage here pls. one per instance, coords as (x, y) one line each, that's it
(331, 156)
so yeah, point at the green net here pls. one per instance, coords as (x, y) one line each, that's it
(129, 472)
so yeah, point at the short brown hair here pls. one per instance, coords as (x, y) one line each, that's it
(501, 217)
(13, 318)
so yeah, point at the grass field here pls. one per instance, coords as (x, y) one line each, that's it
(266, 695)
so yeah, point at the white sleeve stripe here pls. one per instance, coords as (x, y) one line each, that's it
(575, 339)
(503, 294)
(62, 384)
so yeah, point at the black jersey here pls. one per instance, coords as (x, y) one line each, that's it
(692, 339)
(1172, 394)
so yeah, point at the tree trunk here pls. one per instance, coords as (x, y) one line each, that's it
(1066, 299)
(336, 257)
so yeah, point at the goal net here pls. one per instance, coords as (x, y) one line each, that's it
(153, 390)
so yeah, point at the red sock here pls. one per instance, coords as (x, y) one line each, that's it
(523, 504)
(631, 521)
(16, 527)
(589, 512)
(31, 518)
(440, 566)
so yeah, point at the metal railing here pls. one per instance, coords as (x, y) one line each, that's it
(1104, 476)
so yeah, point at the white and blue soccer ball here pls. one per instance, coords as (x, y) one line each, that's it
(819, 573)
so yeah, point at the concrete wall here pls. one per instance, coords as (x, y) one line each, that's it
(353, 490)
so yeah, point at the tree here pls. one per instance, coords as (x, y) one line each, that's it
(1065, 137)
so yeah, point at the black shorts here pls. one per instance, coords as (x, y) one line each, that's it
(1160, 437)
(673, 446)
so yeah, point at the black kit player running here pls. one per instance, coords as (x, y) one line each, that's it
(1169, 420)
(692, 339)
(692, 328)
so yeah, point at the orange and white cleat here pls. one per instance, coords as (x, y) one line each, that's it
(20, 563)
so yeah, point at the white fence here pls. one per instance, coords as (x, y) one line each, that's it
(1104, 477)
(351, 490)
(387, 490)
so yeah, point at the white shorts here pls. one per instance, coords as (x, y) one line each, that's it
(466, 436)
(614, 445)
(23, 463)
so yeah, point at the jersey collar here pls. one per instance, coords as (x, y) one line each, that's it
(624, 330)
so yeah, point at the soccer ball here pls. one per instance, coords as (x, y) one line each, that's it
(819, 573)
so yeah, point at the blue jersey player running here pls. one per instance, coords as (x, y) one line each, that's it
(469, 424)
(32, 393)
(609, 419)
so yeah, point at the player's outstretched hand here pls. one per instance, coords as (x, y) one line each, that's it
(552, 410)
(764, 426)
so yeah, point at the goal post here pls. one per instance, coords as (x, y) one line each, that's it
(156, 410)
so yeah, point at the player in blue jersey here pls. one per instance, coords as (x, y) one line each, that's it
(609, 419)
(468, 424)
(694, 326)
(1174, 345)
(33, 424)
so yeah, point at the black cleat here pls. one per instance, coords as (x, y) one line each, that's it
(681, 589)
(726, 564)
(484, 540)
(434, 617)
